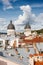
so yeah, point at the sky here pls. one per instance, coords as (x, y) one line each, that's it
(21, 12)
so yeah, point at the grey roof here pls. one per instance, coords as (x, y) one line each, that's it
(1, 53)
(27, 26)
(11, 26)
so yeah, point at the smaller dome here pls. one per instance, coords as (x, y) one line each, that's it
(27, 26)
(11, 26)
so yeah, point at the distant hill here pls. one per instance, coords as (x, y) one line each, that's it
(38, 31)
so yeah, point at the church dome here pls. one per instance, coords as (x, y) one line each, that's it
(27, 26)
(11, 26)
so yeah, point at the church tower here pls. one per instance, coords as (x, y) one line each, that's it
(11, 29)
(27, 30)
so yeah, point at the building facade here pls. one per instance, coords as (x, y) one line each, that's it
(27, 30)
(11, 29)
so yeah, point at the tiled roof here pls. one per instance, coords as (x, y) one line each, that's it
(36, 55)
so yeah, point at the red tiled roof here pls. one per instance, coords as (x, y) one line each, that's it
(38, 63)
(36, 39)
(36, 55)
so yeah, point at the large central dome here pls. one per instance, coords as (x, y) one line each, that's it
(11, 26)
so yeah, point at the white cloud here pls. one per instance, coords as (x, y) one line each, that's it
(28, 16)
(39, 21)
(39, 18)
(26, 10)
(7, 4)
(2, 20)
(3, 25)
(37, 5)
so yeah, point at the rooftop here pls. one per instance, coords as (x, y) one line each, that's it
(11, 26)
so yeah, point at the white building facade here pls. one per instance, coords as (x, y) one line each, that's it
(27, 31)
